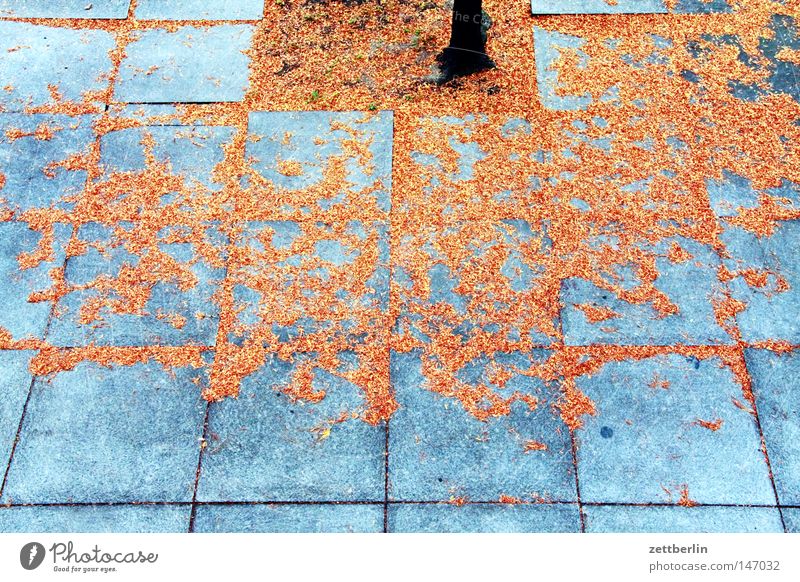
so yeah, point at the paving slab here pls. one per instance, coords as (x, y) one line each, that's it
(627, 6)
(733, 193)
(101, 9)
(598, 7)
(474, 167)
(439, 452)
(294, 151)
(34, 57)
(792, 519)
(266, 446)
(178, 308)
(483, 518)
(95, 519)
(554, 93)
(79, 9)
(620, 519)
(494, 285)
(284, 280)
(191, 152)
(780, 73)
(177, 164)
(668, 427)
(22, 318)
(154, 115)
(299, 518)
(776, 384)
(199, 10)
(552, 74)
(547, 47)
(189, 65)
(784, 74)
(468, 152)
(15, 382)
(35, 151)
(628, 323)
(109, 434)
(767, 281)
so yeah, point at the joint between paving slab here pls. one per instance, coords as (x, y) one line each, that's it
(50, 316)
(386, 479)
(764, 443)
(573, 440)
(16, 438)
(577, 480)
(203, 441)
(666, 504)
(736, 333)
(381, 503)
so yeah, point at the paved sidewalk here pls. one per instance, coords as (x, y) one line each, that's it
(255, 280)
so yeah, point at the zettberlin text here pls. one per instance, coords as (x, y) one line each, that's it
(675, 549)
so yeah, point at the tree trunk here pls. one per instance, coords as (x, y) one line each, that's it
(466, 32)
(467, 50)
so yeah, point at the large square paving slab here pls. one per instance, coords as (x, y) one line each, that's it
(159, 237)
(309, 277)
(692, 319)
(15, 382)
(598, 7)
(483, 518)
(667, 429)
(766, 280)
(627, 6)
(189, 152)
(199, 10)
(322, 161)
(34, 57)
(35, 156)
(621, 519)
(494, 282)
(188, 65)
(22, 277)
(265, 445)
(95, 519)
(64, 9)
(440, 452)
(301, 518)
(475, 167)
(120, 298)
(776, 384)
(109, 434)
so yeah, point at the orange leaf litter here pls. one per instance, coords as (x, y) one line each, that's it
(370, 56)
